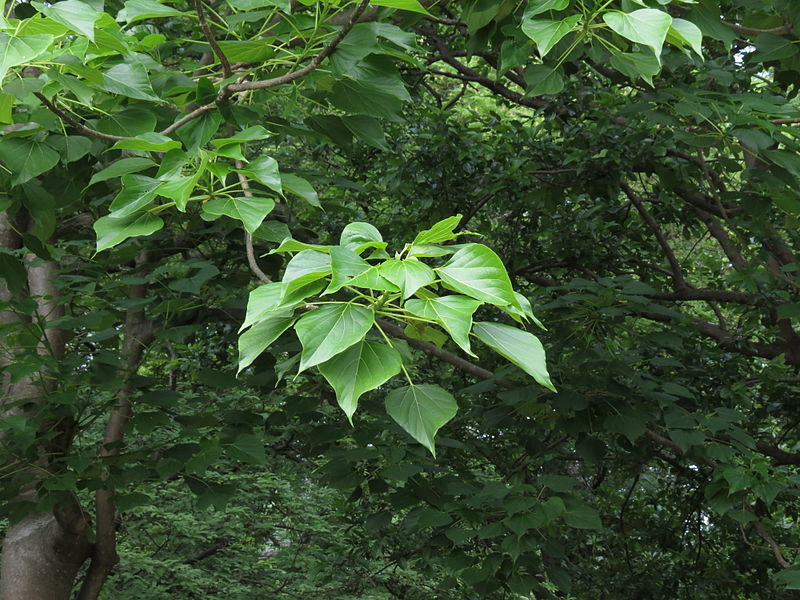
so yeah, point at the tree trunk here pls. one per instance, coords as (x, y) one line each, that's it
(43, 552)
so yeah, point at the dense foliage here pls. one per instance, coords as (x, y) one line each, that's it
(223, 224)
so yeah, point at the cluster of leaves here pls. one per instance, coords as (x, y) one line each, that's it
(335, 335)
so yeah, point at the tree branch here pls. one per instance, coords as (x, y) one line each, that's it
(248, 238)
(77, 124)
(223, 60)
(782, 30)
(315, 62)
(138, 335)
(677, 274)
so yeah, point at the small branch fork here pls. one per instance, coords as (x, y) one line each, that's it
(226, 92)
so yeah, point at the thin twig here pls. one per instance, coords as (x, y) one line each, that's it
(223, 60)
(677, 273)
(248, 238)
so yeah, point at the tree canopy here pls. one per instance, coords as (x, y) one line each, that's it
(399, 299)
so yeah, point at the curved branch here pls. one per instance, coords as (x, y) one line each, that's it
(77, 124)
(248, 238)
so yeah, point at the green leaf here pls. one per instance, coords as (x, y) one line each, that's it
(788, 579)
(14, 273)
(71, 147)
(581, 516)
(254, 51)
(112, 230)
(151, 142)
(248, 448)
(264, 169)
(367, 129)
(636, 64)
(683, 32)
(137, 192)
(426, 333)
(19, 50)
(78, 16)
(412, 5)
(270, 297)
(442, 231)
(542, 79)
(256, 339)
(548, 33)
(377, 91)
(26, 158)
(536, 7)
(328, 330)
(644, 26)
(129, 80)
(409, 275)
(138, 10)
(478, 272)
(349, 269)
(305, 267)
(251, 134)
(359, 369)
(520, 347)
(360, 236)
(300, 187)
(250, 211)
(421, 410)
(453, 313)
(132, 121)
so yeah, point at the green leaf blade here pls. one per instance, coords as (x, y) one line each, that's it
(520, 347)
(330, 329)
(359, 369)
(421, 410)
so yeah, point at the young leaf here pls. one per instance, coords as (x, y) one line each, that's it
(408, 275)
(520, 347)
(359, 369)
(478, 272)
(421, 410)
(440, 232)
(454, 313)
(256, 339)
(138, 10)
(330, 329)
(683, 32)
